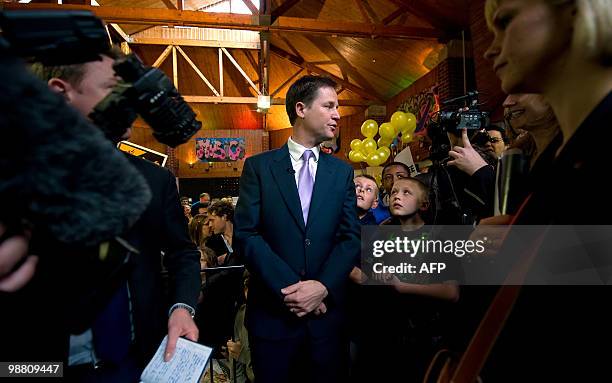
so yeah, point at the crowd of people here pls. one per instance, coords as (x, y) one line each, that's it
(275, 283)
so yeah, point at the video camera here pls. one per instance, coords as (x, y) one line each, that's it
(455, 119)
(72, 37)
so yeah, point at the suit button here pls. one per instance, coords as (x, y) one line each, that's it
(303, 273)
(307, 242)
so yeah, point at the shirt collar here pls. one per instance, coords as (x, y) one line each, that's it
(296, 150)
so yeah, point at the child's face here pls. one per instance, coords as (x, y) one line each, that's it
(367, 193)
(406, 198)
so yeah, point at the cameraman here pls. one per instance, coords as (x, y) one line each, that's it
(466, 184)
(139, 308)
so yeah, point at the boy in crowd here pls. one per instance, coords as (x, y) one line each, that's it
(392, 172)
(367, 198)
(405, 318)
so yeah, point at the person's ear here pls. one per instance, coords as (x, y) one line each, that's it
(300, 109)
(375, 203)
(424, 205)
(60, 86)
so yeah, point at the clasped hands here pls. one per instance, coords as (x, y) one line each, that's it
(305, 297)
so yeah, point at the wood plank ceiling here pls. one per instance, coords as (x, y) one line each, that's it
(369, 67)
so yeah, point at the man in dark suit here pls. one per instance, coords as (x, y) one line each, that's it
(128, 331)
(296, 225)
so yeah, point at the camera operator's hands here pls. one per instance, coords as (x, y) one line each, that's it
(12, 251)
(466, 158)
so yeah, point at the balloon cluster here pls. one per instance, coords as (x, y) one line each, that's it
(376, 152)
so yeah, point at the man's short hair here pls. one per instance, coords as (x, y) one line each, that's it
(305, 90)
(204, 195)
(222, 208)
(396, 163)
(73, 73)
(500, 129)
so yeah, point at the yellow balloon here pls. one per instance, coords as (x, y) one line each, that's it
(406, 138)
(374, 159)
(369, 128)
(387, 131)
(384, 149)
(383, 156)
(410, 122)
(399, 121)
(356, 145)
(369, 146)
(356, 156)
(382, 142)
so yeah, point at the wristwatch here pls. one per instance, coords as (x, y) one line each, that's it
(182, 306)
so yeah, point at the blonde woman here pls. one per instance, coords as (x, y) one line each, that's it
(563, 50)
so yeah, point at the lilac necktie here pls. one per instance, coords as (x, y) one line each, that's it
(305, 184)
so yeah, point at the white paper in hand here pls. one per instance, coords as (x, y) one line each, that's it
(186, 365)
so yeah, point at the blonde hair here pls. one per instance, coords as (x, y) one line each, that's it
(592, 25)
(593, 29)
(489, 10)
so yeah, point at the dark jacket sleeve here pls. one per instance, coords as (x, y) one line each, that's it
(480, 190)
(181, 259)
(346, 250)
(259, 257)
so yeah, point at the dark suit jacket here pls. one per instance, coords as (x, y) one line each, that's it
(162, 227)
(555, 333)
(280, 251)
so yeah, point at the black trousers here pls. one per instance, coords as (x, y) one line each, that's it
(302, 359)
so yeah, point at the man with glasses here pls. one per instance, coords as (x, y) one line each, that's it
(497, 140)
(367, 198)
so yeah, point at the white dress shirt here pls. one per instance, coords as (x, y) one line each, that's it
(295, 152)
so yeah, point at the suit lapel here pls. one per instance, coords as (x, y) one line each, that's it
(283, 174)
(323, 181)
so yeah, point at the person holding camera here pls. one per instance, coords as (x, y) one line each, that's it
(127, 333)
(462, 185)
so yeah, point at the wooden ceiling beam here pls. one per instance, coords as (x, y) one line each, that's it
(156, 16)
(364, 14)
(291, 47)
(345, 66)
(430, 14)
(394, 15)
(283, 8)
(287, 81)
(253, 100)
(298, 61)
(251, 7)
(351, 29)
(254, 62)
(152, 16)
(169, 4)
(192, 43)
(371, 12)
